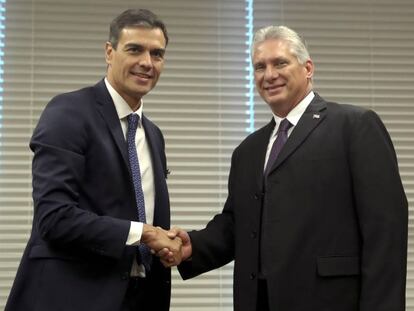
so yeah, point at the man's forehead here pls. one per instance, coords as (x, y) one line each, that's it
(142, 34)
(272, 48)
(272, 43)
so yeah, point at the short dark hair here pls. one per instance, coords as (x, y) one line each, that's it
(135, 18)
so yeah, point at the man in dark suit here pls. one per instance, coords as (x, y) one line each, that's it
(316, 215)
(83, 250)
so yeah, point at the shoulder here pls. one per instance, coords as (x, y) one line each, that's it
(73, 106)
(344, 114)
(358, 122)
(74, 99)
(346, 110)
(66, 119)
(255, 140)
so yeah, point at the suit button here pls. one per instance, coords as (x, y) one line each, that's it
(253, 235)
(125, 276)
(256, 196)
(252, 276)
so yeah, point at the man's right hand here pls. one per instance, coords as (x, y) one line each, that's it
(167, 257)
(161, 241)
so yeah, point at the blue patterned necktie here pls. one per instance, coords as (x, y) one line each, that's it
(144, 253)
(278, 144)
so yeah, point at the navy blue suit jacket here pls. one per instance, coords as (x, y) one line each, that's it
(76, 258)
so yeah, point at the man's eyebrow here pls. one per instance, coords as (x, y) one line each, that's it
(274, 59)
(133, 45)
(139, 46)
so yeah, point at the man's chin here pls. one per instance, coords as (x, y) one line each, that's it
(274, 100)
(141, 90)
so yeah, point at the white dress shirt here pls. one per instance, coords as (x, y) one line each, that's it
(145, 165)
(293, 117)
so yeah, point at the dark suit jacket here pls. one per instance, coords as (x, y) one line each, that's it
(76, 258)
(328, 230)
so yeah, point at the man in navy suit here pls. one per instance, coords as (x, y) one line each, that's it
(319, 221)
(82, 252)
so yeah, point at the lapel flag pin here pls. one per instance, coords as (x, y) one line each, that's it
(316, 116)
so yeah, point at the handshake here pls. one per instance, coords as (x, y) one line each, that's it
(171, 246)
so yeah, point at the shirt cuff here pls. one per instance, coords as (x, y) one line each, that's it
(135, 232)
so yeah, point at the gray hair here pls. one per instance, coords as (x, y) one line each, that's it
(296, 43)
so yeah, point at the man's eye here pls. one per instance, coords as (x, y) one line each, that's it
(281, 63)
(158, 54)
(134, 50)
(258, 68)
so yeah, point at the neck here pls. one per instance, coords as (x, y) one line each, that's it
(132, 101)
(134, 105)
(283, 110)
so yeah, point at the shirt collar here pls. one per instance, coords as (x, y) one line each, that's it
(296, 113)
(122, 108)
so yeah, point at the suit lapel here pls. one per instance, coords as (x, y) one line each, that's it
(161, 204)
(154, 149)
(107, 109)
(311, 118)
(260, 149)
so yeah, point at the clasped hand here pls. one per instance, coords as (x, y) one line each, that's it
(171, 246)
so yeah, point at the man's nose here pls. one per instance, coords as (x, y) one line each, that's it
(145, 60)
(271, 73)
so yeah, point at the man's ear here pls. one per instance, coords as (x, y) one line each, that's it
(309, 68)
(108, 52)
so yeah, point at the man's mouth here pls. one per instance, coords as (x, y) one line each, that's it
(142, 75)
(273, 88)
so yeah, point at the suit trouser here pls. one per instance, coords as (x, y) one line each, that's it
(262, 296)
(136, 297)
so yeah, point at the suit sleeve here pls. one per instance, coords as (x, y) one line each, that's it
(382, 211)
(59, 144)
(213, 246)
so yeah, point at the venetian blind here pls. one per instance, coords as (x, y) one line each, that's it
(363, 53)
(53, 46)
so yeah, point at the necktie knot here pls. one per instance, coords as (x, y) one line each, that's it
(284, 126)
(133, 120)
